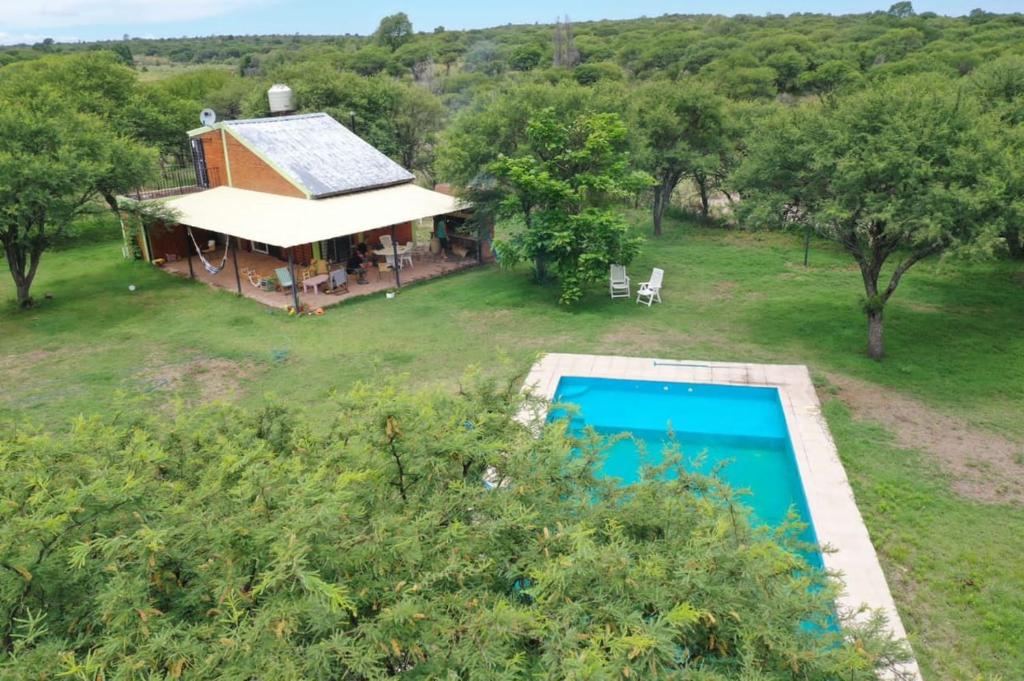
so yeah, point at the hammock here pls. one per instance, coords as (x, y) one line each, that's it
(210, 267)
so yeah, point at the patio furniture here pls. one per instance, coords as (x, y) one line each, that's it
(405, 254)
(338, 280)
(650, 291)
(385, 242)
(313, 282)
(284, 278)
(618, 286)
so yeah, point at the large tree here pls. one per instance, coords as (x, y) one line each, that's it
(684, 132)
(999, 86)
(561, 185)
(394, 31)
(899, 171)
(418, 536)
(54, 165)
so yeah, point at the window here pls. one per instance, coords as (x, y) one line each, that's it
(260, 247)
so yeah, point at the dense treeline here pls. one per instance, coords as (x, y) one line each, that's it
(696, 104)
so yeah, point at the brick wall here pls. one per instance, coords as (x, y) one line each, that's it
(166, 240)
(213, 151)
(248, 171)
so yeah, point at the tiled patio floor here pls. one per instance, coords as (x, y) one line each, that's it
(377, 282)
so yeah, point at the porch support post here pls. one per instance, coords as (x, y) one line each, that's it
(191, 272)
(394, 251)
(234, 259)
(295, 284)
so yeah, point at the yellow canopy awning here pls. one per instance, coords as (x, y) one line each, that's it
(285, 221)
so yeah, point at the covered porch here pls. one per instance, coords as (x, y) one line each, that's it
(378, 279)
(254, 242)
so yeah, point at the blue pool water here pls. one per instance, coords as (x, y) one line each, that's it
(743, 427)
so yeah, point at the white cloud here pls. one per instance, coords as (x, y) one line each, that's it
(44, 14)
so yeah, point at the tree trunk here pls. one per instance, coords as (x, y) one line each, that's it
(22, 275)
(1013, 243)
(702, 187)
(876, 347)
(663, 197)
(540, 268)
(658, 211)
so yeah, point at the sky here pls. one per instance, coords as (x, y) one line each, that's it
(72, 20)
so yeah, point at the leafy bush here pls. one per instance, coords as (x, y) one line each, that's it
(229, 542)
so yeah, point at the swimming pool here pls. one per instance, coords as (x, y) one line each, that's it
(741, 429)
(766, 415)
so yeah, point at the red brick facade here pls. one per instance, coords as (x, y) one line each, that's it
(247, 170)
(243, 169)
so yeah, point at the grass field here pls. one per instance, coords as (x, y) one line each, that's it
(953, 336)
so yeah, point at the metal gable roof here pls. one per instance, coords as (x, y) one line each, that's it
(318, 153)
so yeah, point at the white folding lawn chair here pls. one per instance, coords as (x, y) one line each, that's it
(618, 286)
(650, 291)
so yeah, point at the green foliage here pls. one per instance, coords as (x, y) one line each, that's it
(683, 131)
(485, 57)
(901, 10)
(561, 187)
(124, 54)
(999, 85)
(60, 151)
(228, 542)
(900, 168)
(830, 78)
(394, 31)
(525, 57)
(590, 73)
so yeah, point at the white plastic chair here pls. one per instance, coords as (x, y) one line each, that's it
(405, 254)
(650, 291)
(618, 286)
(385, 242)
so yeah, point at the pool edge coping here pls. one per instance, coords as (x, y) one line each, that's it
(830, 500)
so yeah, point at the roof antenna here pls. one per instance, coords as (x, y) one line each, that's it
(207, 117)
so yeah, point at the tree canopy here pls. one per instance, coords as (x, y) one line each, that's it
(560, 186)
(394, 31)
(60, 150)
(421, 535)
(901, 170)
(684, 131)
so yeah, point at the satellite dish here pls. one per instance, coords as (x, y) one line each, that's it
(207, 117)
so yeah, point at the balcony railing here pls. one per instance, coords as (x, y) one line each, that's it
(177, 174)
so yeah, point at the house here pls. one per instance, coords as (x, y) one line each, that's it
(301, 192)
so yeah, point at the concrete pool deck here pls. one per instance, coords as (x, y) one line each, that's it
(837, 521)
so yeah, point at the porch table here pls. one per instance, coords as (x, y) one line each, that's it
(389, 255)
(314, 282)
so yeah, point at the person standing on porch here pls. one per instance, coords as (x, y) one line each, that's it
(441, 232)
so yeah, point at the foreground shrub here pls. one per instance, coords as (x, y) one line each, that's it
(241, 544)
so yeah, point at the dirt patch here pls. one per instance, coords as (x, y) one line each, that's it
(37, 373)
(719, 291)
(982, 466)
(201, 379)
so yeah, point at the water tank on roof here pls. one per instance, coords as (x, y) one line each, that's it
(282, 99)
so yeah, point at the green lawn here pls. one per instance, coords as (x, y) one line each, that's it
(954, 341)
